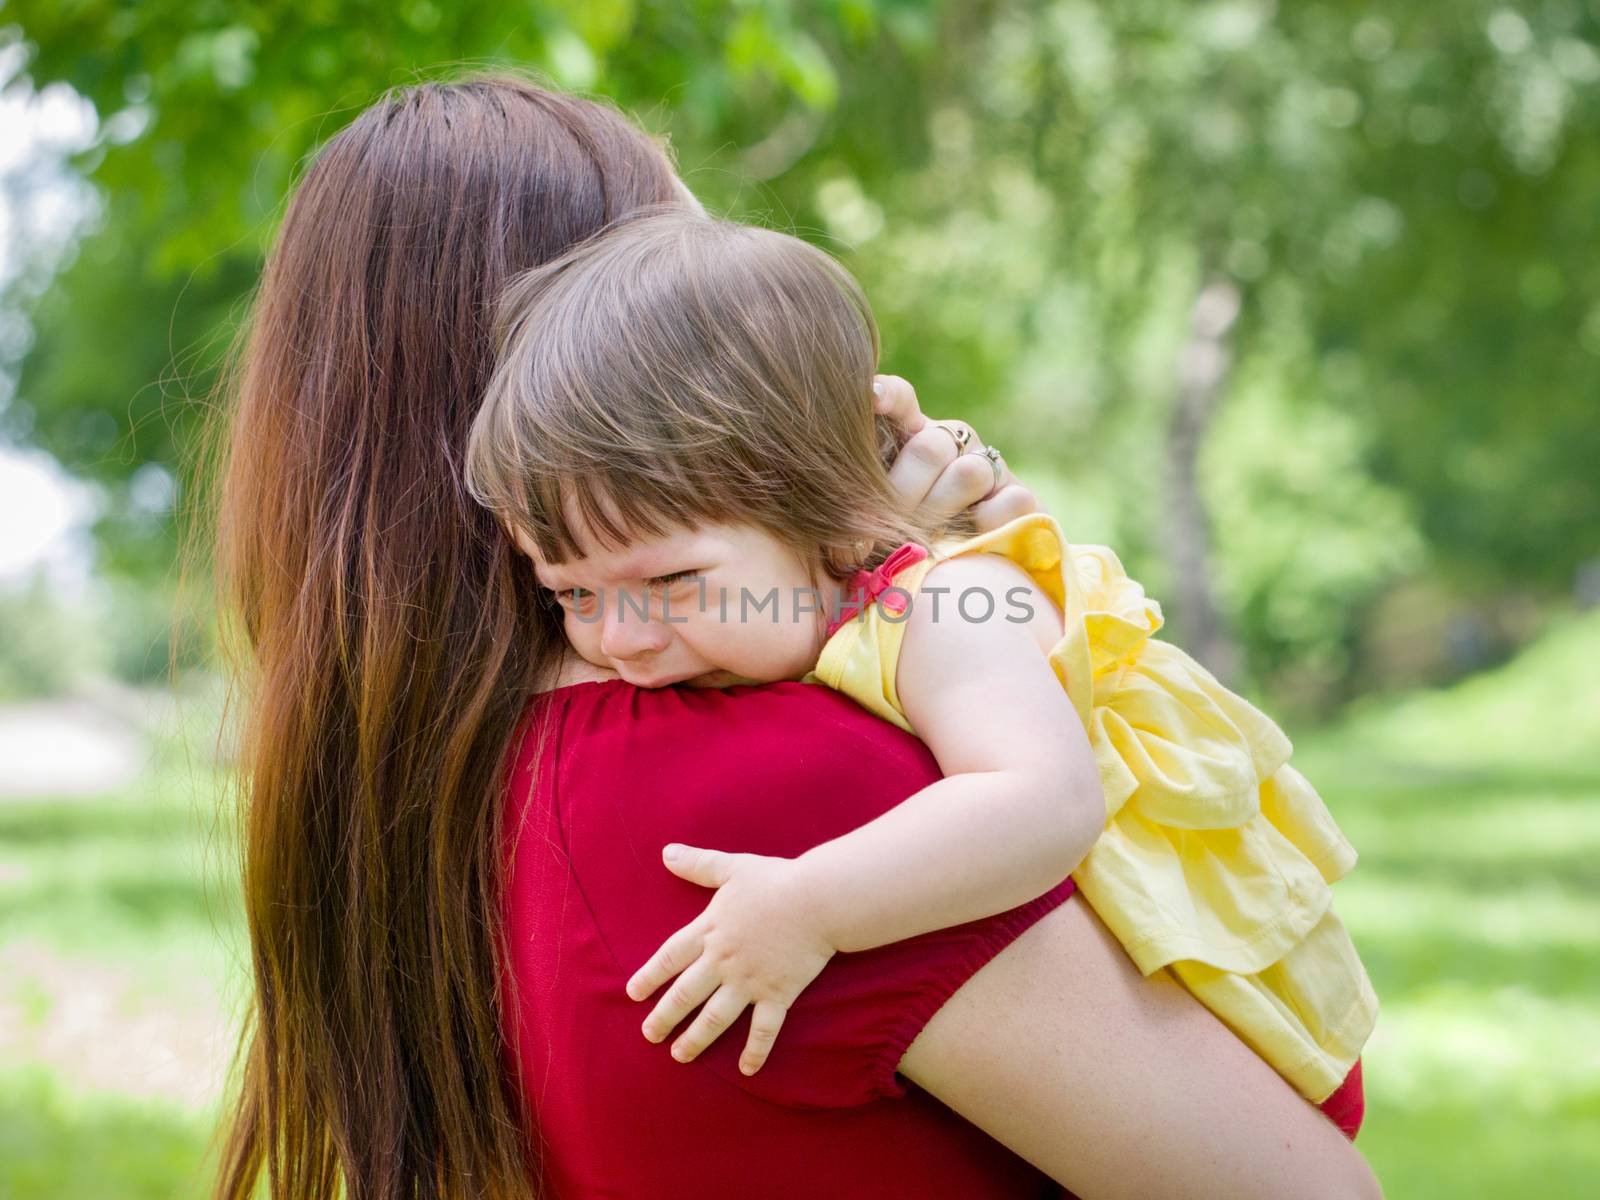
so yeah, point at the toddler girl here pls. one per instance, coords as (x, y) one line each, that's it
(681, 436)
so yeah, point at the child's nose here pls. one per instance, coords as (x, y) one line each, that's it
(627, 634)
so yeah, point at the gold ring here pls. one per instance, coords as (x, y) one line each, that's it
(962, 435)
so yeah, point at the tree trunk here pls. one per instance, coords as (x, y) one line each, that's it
(1203, 366)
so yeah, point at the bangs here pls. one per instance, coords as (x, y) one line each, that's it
(568, 494)
(569, 516)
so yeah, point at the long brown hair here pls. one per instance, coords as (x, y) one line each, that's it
(679, 369)
(387, 638)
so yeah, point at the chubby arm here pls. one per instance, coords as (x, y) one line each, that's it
(1020, 807)
(1020, 803)
(1120, 1086)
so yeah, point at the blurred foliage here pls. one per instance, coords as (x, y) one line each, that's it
(42, 651)
(1396, 475)
(1034, 193)
(120, 626)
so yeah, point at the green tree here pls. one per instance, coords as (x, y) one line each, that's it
(1292, 297)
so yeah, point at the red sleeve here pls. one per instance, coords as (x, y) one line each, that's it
(770, 770)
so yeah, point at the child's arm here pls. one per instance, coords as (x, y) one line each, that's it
(1020, 807)
(1020, 804)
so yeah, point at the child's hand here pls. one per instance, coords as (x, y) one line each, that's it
(755, 943)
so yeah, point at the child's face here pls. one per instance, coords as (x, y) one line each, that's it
(709, 606)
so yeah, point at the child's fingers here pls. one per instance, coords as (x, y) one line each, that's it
(708, 868)
(897, 400)
(1010, 502)
(765, 1021)
(687, 992)
(676, 953)
(922, 462)
(721, 1011)
(966, 479)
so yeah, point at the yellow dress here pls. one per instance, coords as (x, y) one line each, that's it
(1217, 854)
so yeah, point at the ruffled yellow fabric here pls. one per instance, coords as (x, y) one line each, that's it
(1217, 855)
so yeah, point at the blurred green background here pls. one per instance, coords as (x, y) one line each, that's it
(1297, 306)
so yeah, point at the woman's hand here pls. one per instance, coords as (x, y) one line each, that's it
(755, 944)
(932, 472)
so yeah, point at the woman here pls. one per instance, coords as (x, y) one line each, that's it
(391, 639)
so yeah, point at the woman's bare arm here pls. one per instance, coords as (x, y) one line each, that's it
(1116, 1085)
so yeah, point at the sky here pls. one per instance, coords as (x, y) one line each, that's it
(44, 512)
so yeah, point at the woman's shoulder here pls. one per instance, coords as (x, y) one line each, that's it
(574, 670)
(744, 714)
(775, 760)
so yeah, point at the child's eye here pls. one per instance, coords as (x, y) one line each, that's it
(579, 598)
(675, 577)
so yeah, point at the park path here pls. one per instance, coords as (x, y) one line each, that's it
(151, 1021)
(96, 741)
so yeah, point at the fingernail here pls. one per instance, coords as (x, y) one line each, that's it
(680, 1055)
(877, 387)
(671, 852)
(746, 1069)
(649, 1032)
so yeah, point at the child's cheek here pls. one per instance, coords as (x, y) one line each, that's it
(722, 644)
(584, 636)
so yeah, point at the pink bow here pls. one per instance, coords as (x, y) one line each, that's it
(871, 584)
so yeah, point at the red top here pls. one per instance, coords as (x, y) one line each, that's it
(769, 770)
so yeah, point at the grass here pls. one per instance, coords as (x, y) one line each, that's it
(119, 969)
(54, 1144)
(1476, 906)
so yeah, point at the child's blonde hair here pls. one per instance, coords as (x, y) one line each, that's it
(678, 369)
